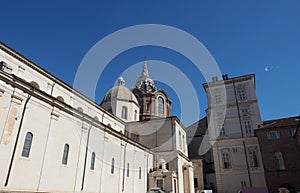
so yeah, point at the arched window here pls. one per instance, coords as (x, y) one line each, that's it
(35, 85)
(65, 154)
(124, 112)
(80, 109)
(92, 167)
(140, 173)
(27, 144)
(60, 98)
(148, 107)
(161, 105)
(137, 97)
(112, 169)
(127, 169)
(135, 115)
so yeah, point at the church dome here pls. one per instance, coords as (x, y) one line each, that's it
(120, 92)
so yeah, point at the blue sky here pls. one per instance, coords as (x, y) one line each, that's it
(260, 37)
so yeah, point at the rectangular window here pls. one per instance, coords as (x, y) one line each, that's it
(292, 132)
(279, 161)
(183, 142)
(245, 110)
(93, 156)
(226, 159)
(196, 182)
(273, 135)
(219, 114)
(127, 170)
(221, 128)
(242, 94)
(252, 151)
(248, 126)
(180, 141)
(218, 98)
(112, 169)
(243, 184)
(234, 150)
(160, 183)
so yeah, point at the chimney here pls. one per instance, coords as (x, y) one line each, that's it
(214, 78)
(225, 76)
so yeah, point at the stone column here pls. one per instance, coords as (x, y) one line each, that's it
(189, 176)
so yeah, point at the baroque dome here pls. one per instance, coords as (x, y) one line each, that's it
(120, 92)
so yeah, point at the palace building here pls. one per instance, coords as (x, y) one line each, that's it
(234, 162)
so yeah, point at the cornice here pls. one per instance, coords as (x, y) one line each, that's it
(24, 86)
(229, 81)
(47, 74)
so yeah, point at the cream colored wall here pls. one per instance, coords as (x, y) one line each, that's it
(183, 181)
(229, 180)
(181, 144)
(11, 107)
(96, 145)
(63, 130)
(51, 85)
(238, 172)
(51, 129)
(155, 132)
(198, 172)
(44, 170)
(161, 132)
(131, 107)
(167, 137)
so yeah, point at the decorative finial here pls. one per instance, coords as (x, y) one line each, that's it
(121, 81)
(145, 69)
(145, 83)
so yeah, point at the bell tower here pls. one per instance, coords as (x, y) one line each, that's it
(154, 103)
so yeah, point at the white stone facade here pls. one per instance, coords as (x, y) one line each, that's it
(54, 139)
(233, 115)
(33, 102)
(166, 137)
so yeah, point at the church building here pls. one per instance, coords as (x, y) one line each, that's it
(55, 139)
